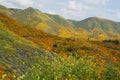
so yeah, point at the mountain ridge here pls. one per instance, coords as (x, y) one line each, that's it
(57, 25)
(61, 16)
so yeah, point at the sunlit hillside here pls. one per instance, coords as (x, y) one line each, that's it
(100, 27)
(39, 46)
(16, 53)
(92, 28)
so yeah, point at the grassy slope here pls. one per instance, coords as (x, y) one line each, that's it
(95, 28)
(102, 23)
(28, 32)
(60, 20)
(5, 10)
(59, 26)
(110, 28)
(16, 53)
(36, 18)
(55, 44)
(52, 24)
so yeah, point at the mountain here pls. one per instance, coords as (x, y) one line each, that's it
(37, 36)
(47, 41)
(93, 28)
(104, 24)
(52, 24)
(36, 18)
(99, 26)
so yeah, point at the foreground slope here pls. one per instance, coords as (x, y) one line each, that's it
(37, 36)
(16, 53)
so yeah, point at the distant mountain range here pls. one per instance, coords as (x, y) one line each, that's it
(94, 28)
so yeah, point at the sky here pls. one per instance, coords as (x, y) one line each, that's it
(71, 9)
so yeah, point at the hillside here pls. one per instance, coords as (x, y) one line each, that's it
(104, 24)
(99, 26)
(27, 52)
(36, 18)
(94, 28)
(60, 20)
(21, 54)
(53, 24)
(45, 22)
(37, 36)
(16, 53)
(56, 44)
(5, 10)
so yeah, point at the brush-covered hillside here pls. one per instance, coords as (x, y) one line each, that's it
(23, 58)
(93, 28)
(99, 27)
(5, 10)
(39, 20)
(29, 53)
(16, 53)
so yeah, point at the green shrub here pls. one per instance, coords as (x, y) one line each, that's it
(62, 69)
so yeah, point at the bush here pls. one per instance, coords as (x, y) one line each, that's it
(84, 68)
(111, 41)
(62, 69)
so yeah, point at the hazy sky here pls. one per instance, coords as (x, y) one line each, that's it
(72, 9)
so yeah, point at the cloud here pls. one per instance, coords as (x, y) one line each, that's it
(41, 4)
(51, 12)
(72, 14)
(101, 2)
(6, 3)
(23, 3)
(118, 14)
(79, 10)
(45, 1)
(78, 5)
(17, 3)
(72, 9)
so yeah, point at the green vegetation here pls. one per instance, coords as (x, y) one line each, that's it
(100, 25)
(37, 19)
(84, 68)
(111, 41)
(5, 10)
(27, 53)
(93, 27)
(60, 20)
(3, 7)
(17, 54)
